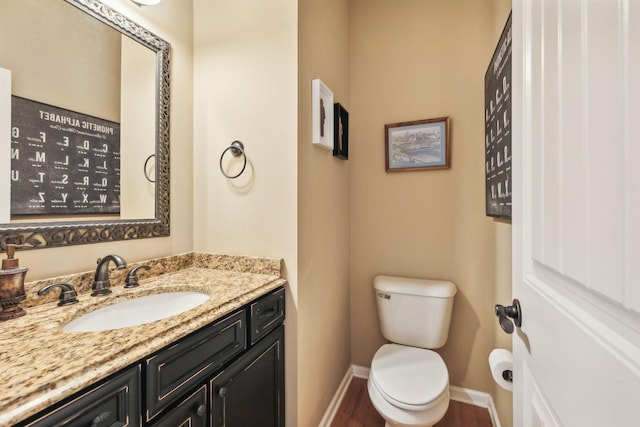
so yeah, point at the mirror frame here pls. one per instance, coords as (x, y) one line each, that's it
(67, 233)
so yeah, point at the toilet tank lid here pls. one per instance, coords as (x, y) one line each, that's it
(420, 287)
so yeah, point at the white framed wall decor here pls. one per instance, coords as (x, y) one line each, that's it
(321, 115)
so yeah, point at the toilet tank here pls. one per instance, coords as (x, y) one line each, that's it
(414, 312)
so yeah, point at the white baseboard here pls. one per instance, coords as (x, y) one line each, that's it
(459, 394)
(330, 413)
(360, 372)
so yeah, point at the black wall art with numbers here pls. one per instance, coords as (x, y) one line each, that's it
(62, 162)
(497, 138)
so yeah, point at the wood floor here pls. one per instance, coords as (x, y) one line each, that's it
(356, 410)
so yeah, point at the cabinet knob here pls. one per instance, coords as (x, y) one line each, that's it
(201, 411)
(100, 418)
(222, 392)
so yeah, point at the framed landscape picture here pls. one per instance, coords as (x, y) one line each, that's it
(417, 145)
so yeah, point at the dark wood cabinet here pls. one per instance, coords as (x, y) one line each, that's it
(221, 375)
(112, 403)
(250, 392)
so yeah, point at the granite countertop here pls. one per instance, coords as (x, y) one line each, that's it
(40, 364)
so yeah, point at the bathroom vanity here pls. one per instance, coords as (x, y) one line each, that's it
(219, 364)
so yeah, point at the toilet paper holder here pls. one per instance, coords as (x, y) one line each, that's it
(501, 367)
(510, 312)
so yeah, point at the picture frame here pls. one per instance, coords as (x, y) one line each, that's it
(418, 145)
(321, 115)
(497, 128)
(340, 132)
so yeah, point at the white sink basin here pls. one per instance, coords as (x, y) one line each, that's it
(137, 311)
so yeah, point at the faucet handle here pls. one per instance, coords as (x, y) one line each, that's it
(68, 294)
(132, 278)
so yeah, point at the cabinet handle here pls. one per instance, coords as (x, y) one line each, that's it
(222, 392)
(269, 313)
(201, 411)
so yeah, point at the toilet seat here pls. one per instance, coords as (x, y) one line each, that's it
(395, 416)
(408, 377)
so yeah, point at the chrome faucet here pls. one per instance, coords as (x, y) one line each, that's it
(101, 283)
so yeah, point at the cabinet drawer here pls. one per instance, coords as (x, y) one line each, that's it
(266, 314)
(173, 371)
(116, 402)
(191, 412)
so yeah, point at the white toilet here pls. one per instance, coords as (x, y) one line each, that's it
(408, 383)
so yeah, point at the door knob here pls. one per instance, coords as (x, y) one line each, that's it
(512, 311)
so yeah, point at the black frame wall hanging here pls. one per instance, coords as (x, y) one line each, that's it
(497, 138)
(340, 132)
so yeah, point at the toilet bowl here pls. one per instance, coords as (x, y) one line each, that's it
(408, 381)
(408, 386)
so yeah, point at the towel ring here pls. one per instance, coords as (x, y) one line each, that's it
(146, 175)
(237, 149)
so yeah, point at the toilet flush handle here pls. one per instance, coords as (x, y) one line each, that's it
(510, 312)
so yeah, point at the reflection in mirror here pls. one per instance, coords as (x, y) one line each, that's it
(89, 89)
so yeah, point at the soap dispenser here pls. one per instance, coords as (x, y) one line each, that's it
(12, 284)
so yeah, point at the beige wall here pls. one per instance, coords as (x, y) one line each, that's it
(414, 60)
(245, 76)
(253, 75)
(137, 130)
(52, 72)
(324, 353)
(171, 20)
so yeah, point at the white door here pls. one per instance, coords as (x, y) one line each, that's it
(576, 212)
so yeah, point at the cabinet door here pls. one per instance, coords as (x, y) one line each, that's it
(115, 402)
(250, 392)
(175, 370)
(192, 412)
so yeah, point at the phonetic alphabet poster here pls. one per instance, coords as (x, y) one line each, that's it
(497, 137)
(62, 162)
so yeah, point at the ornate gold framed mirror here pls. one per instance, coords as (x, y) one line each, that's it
(84, 58)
